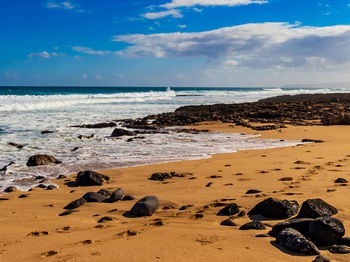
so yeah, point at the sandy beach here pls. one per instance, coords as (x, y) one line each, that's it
(31, 229)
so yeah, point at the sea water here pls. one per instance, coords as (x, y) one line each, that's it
(26, 111)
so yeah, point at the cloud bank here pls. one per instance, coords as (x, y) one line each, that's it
(43, 54)
(257, 45)
(191, 3)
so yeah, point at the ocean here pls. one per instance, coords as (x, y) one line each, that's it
(26, 111)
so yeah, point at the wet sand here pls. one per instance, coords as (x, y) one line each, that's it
(31, 229)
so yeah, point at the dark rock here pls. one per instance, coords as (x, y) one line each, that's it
(118, 132)
(275, 208)
(339, 249)
(321, 258)
(104, 192)
(94, 197)
(306, 140)
(185, 207)
(229, 210)
(23, 196)
(253, 225)
(61, 177)
(313, 208)
(253, 191)
(15, 145)
(98, 125)
(336, 119)
(104, 219)
(4, 169)
(326, 230)
(160, 176)
(128, 198)
(76, 148)
(40, 160)
(300, 224)
(344, 241)
(209, 184)
(242, 213)
(39, 177)
(341, 181)
(146, 206)
(86, 137)
(10, 189)
(51, 187)
(294, 241)
(67, 212)
(76, 203)
(90, 178)
(262, 235)
(47, 132)
(228, 222)
(42, 186)
(116, 195)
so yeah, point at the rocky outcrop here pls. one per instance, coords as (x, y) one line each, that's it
(41, 160)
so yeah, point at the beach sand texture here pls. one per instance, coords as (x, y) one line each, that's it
(31, 229)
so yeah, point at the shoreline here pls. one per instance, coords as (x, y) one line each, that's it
(182, 235)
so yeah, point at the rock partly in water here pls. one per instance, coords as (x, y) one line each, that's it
(76, 203)
(42, 160)
(4, 169)
(275, 208)
(314, 208)
(145, 207)
(229, 210)
(255, 224)
(294, 241)
(326, 230)
(90, 178)
(10, 189)
(118, 132)
(15, 145)
(51, 187)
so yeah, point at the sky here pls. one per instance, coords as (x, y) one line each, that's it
(238, 43)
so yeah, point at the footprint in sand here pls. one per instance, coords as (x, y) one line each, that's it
(49, 254)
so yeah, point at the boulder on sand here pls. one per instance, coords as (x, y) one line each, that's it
(275, 208)
(145, 207)
(229, 210)
(314, 208)
(326, 230)
(94, 197)
(294, 241)
(90, 178)
(116, 195)
(42, 160)
(76, 203)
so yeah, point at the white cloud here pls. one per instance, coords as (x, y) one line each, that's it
(257, 45)
(90, 51)
(190, 3)
(230, 63)
(157, 15)
(181, 26)
(66, 5)
(43, 54)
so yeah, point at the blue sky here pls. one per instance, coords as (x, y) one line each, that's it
(174, 42)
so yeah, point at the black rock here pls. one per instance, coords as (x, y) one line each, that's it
(76, 148)
(90, 178)
(326, 230)
(160, 176)
(229, 210)
(146, 206)
(94, 197)
(341, 181)
(86, 137)
(98, 125)
(118, 132)
(339, 249)
(10, 189)
(314, 208)
(275, 208)
(51, 187)
(241, 214)
(104, 192)
(228, 222)
(39, 177)
(294, 241)
(262, 235)
(47, 132)
(253, 225)
(344, 241)
(4, 169)
(253, 191)
(76, 203)
(306, 140)
(321, 258)
(41, 160)
(116, 195)
(104, 219)
(61, 177)
(42, 186)
(15, 145)
(299, 224)
(185, 207)
(23, 196)
(128, 198)
(67, 212)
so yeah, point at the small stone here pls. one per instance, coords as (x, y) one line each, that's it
(253, 225)
(10, 189)
(253, 191)
(341, 181)
(104, 219)
(185, 207)
(228, 222)
(128, 198)
(94, 197)
(51, 187)
(229, 210)
(262, 235)
(76, 203)
(339, 249)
